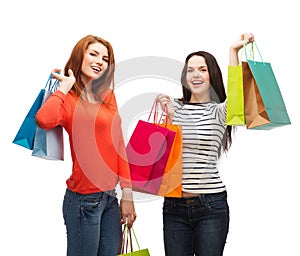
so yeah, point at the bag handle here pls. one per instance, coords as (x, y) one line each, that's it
(154, 112)
(50, 85)
(124, 245)
(127, 245)
(135, 239)
(252, 51)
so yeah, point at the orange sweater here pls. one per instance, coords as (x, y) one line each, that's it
(96, 140)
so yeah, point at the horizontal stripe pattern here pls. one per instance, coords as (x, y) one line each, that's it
(203, 127)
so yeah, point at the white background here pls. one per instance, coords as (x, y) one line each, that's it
(261, 171)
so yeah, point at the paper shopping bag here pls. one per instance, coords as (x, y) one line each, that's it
(146, 147)
(255, 110)
(147, 152)
(274, 113)
(142, 252)
(26, 132)
(235, 96)
(159, 167)
(127, 242)
(49, 144)
(171, 185)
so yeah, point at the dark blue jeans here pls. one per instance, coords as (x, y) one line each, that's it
(93, 223)
(196, 225)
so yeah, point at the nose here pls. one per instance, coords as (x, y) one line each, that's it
(100, 60)
(196, 73)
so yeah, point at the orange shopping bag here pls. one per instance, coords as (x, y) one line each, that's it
(171, 185)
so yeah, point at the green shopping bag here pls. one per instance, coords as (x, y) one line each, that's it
(127, 244)
(275, 112)
(235, 96)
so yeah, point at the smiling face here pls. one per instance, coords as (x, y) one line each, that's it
(197, 78)
(95, 62)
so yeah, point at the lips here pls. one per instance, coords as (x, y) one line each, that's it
(197, 82)
(97, 69)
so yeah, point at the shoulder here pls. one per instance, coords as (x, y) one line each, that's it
(221, 110)
(221, 106)
(178, 103)
(71, 98)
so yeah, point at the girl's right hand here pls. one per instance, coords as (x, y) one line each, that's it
(65, 82)
(237, 45)
(165, 101)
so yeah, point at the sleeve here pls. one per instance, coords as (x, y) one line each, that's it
(123, 165)
(49, 115)
(222, 112)
(124, 170)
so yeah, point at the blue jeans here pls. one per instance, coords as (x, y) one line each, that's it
(93, 223)
(196, 225)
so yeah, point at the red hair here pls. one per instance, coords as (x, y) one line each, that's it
(106, 81)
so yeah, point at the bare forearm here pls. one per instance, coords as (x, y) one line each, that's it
(233, 57)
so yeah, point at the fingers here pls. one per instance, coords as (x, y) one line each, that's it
(248, 37)
(129, 219)
(56, 73)
(163, 99)
(70, 72)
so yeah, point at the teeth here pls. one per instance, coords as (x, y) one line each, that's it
(196, 82)
(97, 69)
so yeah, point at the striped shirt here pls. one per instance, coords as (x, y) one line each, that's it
(203, 127)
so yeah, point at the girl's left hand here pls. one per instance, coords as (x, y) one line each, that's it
(128, 214)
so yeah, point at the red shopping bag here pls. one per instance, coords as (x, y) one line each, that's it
(148, 150)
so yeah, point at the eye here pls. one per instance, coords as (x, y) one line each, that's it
(106, 59)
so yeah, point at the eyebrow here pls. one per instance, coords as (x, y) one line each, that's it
(203, 66)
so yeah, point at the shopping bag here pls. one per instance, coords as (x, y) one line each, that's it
(127, 242)
(26, 132)
(235, 96)
(147, 152)
(49, 144)
(255, 110)
(171, 185)
(264, 105)
(159, 168)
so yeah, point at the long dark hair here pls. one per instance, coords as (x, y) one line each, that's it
(106, 81)
(217, 89)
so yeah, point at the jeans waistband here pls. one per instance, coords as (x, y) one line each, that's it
(108, 192)
(196, 199)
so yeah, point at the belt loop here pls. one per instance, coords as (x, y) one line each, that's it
(172, 201)
(202, 199)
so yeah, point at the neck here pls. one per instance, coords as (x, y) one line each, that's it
(88, 95)
(198, 99)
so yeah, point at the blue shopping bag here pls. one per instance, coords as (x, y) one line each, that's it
(26, 132)
(264, 105)
(49, 144)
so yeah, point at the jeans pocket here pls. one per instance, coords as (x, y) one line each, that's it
(167, 205)
(218, 204)
(90, 209)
